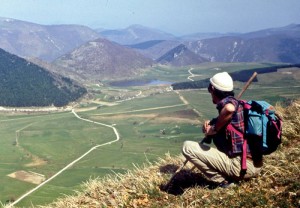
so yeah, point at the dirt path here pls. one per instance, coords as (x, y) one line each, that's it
(93, 148)
(192, 75)
(36, 161)
(187, 103)
(182, 98)
(18, 133)
(72, 163)
(145, 109)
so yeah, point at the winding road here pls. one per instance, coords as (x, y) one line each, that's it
(85, 154)
(192, 75)
(72, 163)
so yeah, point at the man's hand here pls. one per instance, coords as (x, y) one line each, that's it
(205, 126)
(211, 127)
(208, 129)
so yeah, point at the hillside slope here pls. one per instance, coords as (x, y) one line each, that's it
(102, 59)
(24, 84)
(156, 48)
(271, 45)
(181, 56)
(277, 186)
(27, 39)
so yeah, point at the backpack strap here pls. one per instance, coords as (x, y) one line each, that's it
(244, 150)
(246, 106)
(277, 125)
(244, 158)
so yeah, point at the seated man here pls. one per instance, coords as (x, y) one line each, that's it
(223, 163)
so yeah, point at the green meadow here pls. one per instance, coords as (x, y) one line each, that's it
(150, 126)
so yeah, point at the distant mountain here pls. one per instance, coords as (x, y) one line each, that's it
(181, 56)
(27, 39)
(146, 45)
(102, 59)
(24, 84)
(135, 34)
(48, 43)
(154, 49)
(236, 49)
(291, 31)
(272, 45)
(201, 36)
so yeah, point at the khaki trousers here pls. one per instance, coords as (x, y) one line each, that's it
(216, 165)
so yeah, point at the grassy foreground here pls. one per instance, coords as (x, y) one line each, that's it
(277, 186)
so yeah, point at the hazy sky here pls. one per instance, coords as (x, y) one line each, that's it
(174, 16)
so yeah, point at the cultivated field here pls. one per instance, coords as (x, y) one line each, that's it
(151, 121)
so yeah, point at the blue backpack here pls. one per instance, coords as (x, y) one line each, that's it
(263, 129)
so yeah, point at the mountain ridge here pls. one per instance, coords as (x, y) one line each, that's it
(102, 59)
(181, 56)
(46, 42)
(135, 34)
(274, 48)
(269, 45)
(54, 42)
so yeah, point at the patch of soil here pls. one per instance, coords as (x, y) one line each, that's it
(29, 177)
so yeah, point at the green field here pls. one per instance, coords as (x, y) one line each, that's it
(150, 125)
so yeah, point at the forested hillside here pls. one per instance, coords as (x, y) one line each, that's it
(25, 84)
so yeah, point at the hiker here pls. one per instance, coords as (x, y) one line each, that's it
(222, 165)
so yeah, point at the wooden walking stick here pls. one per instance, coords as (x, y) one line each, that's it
(246, 85)
(186, 161)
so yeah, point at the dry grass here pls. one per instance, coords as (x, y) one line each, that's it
(277, 186)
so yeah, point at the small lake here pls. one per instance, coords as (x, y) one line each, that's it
(132, 83)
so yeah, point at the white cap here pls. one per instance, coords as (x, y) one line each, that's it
(222, 81)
